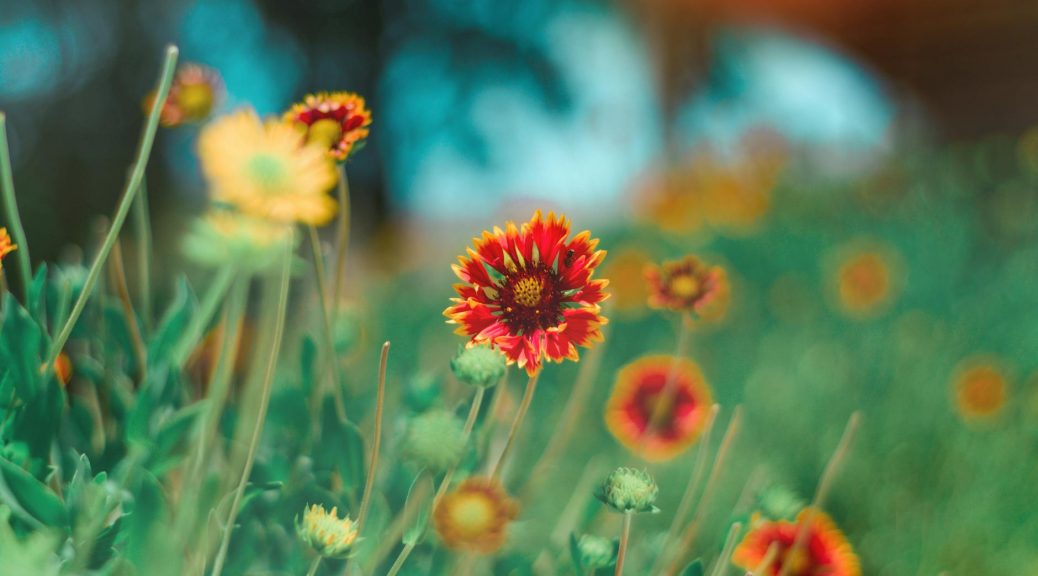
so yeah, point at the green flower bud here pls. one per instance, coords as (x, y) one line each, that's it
(629, 490)
(434, 440)
(779, 503)
(479, 366)
(325, 532)
(591, 553)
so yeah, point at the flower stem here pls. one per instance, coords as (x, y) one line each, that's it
(313, 566)
(329, 341)
(117, 274)
(691, 489)
(342, 240)
(132, 187)
(824, 484)
(670, 385)
(207, 308)
(10, 204)
(399, 563)
(142, 226)
(625, 535)
(722, 452)
(268, 379)
(369, 482)
(726, 552)
(524, 406)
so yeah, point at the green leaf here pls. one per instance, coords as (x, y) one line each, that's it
(171, 435)
(20, 344)
(421, 520)
(574, 552)
(37, 300)
(693, 569)
(173, 325)
(341, 448)
(30, 499)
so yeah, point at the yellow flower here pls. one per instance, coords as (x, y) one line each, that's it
(980, 390)
(325, 532)
(266, 171)
(475, 516)
(6, 246)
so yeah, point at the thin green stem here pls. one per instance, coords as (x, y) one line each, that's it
(14, 219)
(326, 321)
(470, 422)
(132, 187)
(142, 226)
(313, 566)
(726, 552)
(711, 483)
(520, 416)
(208, 308)
(342, 240)
(670, 386)
(268, 379)
(625, 535)
(369, 482)
(824, 484)
(691, 489)
(400, 559)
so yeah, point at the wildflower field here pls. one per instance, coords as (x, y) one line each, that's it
(759, 369)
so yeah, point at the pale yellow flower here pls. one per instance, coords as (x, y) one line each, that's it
(266, 170)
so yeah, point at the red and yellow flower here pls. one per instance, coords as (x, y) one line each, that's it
(6, 246)
(195, 92)
(528, 292)
(653, 420)
(689, 285)
(475, 516)
(823, 549)
(339, 120)
(980, 390)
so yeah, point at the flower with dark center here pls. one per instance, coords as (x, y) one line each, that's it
(337, 120)
(528, 292)
(659, 407)
(823, 549)
(688, 285)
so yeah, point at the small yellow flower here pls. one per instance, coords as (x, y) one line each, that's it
(475, 516)
(980, 390)
(266, 171)
(6, 246)
(325, 532)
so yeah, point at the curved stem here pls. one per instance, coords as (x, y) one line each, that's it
(313, 566)
(625, 535)
(531, 387)
(691, 489)
(722, 452)
(10, 203)
(726, 552)
(326, 321)
(132, 187)
(268, 379)
(369, 483)
(824, 484)
(142, 225)
(117, 274)
(470, 422)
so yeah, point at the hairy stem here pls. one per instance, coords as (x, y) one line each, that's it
(520, 415)
(625, 535)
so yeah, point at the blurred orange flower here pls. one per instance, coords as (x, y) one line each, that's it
(980, 390)
(195, 92)
(626, 271)
(650, 421)
(866, 281)
(824, 548)
(475, 516)
(689, 285)
(6, 246)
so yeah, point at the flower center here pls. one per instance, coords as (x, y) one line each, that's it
(684, 286)
(326, 131)
(267, 170)
(472, 514)
(196, 100)
(527, 291)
